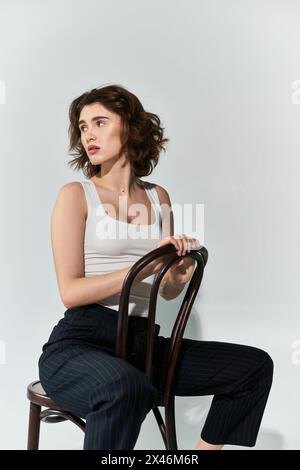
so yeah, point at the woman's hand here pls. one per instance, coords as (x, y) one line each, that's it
(183, 243)
(181, 270)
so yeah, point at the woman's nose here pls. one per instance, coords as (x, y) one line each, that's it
(90, 137)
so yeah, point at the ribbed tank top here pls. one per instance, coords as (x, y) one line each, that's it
(110, 245)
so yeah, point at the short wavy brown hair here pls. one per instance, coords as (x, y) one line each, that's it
(142, 137)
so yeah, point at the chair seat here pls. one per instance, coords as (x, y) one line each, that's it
(36, 394)
(53, 412)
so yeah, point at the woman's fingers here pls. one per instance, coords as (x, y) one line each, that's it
(182, 243)
(177, 243)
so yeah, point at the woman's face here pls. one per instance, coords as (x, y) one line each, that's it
(102, 128)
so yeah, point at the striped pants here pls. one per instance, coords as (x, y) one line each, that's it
(79, 370)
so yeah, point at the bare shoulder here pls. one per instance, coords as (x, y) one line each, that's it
(73, 193)
(163, 194)
(167, 212)
(72, 188)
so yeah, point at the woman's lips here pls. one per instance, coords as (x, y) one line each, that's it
(93, 151)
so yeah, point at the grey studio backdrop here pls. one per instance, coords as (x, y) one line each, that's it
(224, 79)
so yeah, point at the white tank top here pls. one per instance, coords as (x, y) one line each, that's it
(110, 245)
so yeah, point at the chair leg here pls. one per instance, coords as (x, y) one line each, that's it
(34, 427)
(161, 424)
(170, 425)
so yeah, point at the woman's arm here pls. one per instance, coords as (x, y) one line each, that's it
(180, 273)
(67, 236)
(176, 277)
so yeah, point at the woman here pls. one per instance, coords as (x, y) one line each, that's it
(95, 241)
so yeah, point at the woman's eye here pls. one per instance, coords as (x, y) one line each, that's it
(83, 127)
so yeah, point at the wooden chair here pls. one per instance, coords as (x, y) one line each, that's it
(54, 413)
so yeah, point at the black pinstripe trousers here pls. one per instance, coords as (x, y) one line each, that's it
(79, 370)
